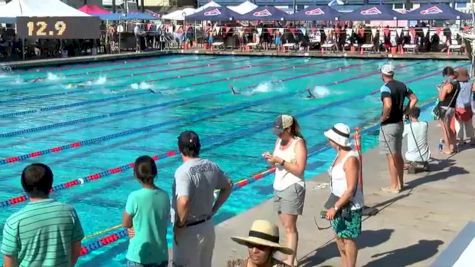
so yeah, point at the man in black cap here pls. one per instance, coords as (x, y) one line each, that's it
(194, 203)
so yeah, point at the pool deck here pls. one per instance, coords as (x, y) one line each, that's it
(200, 51)
(411, 228)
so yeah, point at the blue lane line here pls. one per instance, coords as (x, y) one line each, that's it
(82, 82)
(214, 113)
(87, 102)
(87, 119)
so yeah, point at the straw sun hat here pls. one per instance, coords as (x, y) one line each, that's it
(340, 134)
(263, 233)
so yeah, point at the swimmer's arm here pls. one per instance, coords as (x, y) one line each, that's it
(297, 168)
(10, 261)
(387, 105)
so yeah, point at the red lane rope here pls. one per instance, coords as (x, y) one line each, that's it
(114, 237)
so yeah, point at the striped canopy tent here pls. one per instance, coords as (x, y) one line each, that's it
(316, 13)
(372, 12)
(436, 12)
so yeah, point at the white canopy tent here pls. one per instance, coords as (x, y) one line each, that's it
(209, 4)
(178, 14)
(243, 8)
(35, 8)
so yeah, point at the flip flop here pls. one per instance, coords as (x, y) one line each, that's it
(390, 190)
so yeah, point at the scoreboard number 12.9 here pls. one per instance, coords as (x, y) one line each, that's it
(86, 27)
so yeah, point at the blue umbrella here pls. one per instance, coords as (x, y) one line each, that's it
(316, 13)
(265, 13)
(372, 12)
(435, 12)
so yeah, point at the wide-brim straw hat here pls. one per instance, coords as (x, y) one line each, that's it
(263, 233)
(340, 134)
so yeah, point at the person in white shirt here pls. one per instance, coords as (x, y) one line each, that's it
(416, 133)
(290, 159)
(463, 108)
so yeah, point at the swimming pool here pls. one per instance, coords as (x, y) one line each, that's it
(87, 120)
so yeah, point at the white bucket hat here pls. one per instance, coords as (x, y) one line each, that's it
(340, 134)
(263, 233)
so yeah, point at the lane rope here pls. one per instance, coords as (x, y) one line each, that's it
(103, 100)
(45, 96)
(216, 112)
(79, 181)
(111, 238)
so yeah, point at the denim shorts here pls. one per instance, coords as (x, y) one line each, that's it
(136, 264)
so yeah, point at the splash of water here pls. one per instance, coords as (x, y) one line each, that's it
(18, 80)
(52, 77)
(320, 91)
(99, 81)
(141, 85)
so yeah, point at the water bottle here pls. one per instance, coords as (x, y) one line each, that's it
(441, 144)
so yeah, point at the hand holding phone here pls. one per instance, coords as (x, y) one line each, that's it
(267, 155)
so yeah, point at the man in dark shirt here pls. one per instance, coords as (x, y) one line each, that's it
(393, 94)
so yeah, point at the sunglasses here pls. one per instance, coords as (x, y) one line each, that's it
(258, 247)
(319, 227)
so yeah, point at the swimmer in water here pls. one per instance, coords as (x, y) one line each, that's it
(37, 80)
(152, 91)
(233, 90)
(310, 94)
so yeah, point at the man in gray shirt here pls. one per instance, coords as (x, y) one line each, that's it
(194, 204)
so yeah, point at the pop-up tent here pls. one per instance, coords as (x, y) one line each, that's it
(129, 16)
(35, 8)
(93, 10)
(436, 12)
(214, 14)
(265, 13)
(179, 14)
(243, 8)
(372, 12)
(316, 13)
(207, 5)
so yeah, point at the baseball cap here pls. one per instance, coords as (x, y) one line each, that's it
(387, 69)
(281, 123)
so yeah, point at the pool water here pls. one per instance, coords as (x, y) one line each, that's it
(122, 109)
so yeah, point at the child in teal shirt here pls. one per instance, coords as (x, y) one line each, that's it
(146, 217)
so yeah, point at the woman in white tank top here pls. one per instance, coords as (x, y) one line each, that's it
(346, 214)
(290, 159)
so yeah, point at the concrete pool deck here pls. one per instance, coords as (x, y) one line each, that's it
(200, 51)
(411, 228)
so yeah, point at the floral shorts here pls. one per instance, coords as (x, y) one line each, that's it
(349, 228)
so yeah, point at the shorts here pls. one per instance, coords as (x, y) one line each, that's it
(449, 114)
(390, 138)
(290, 200)
(349, 228)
